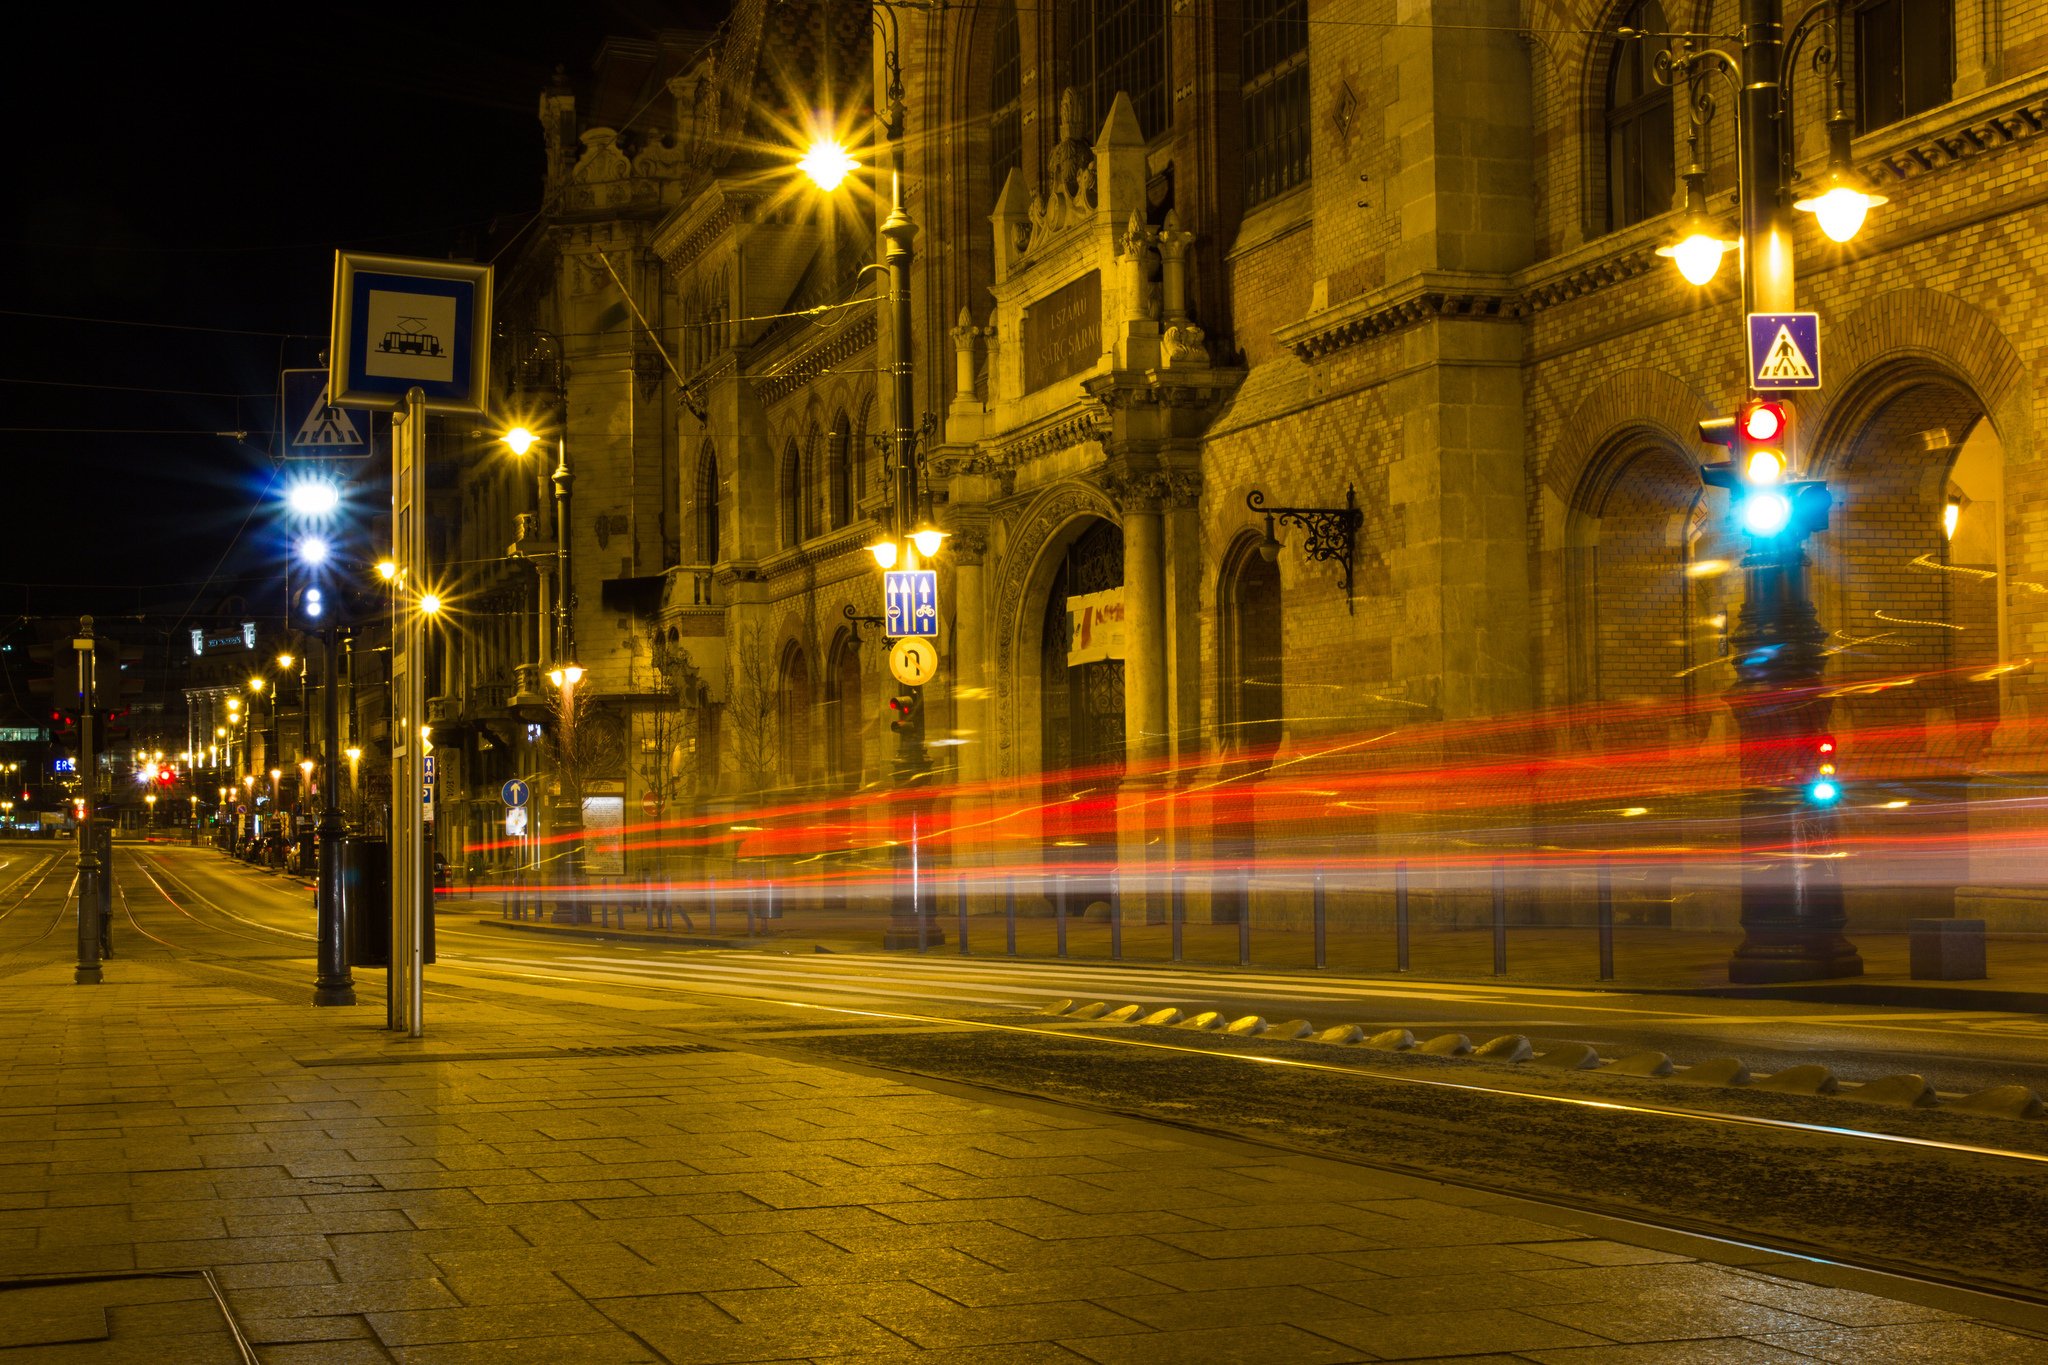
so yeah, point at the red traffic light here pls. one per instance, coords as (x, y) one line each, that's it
(1827, 745)
(1763, 421)
(167, 775)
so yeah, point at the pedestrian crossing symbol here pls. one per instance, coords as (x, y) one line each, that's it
(1784, 350)
(316, 431)
(329, 428)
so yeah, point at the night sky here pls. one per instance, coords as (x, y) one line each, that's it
(198, 169)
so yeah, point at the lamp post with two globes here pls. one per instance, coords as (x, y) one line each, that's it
(910, 535)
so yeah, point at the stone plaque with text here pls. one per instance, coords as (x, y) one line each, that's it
(1063, 332)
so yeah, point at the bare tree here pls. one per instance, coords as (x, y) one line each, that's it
(667, 730)
(589, 743)
(750, 708)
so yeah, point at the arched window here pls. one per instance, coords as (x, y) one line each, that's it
(807, 483)
(1118, 45)
(839, 471)
(1253, 649)
(707, 505)
(792, 496)
(1905, 59)
(1640, 175)
(1274, 63)
(793, 715)
(845, 709)
(1005, 100)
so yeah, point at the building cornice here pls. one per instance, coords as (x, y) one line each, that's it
(1420, 298)
(695, 227)
(1959, 131)
(848, 342)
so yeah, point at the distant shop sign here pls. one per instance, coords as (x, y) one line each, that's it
(242, 637)
(23, 734)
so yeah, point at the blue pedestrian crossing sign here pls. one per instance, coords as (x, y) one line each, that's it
(313, 430)
(910, 599)
(515, 793)
(1784, 350)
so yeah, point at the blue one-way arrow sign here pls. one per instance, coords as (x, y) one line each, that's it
(910, 600)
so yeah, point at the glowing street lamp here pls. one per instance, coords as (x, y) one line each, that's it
(387, 569)
(828, 164)
(568, 675)
(313, 498)
(519, 440)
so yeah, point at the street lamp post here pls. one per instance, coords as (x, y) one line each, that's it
(1792, 908)
(828, 164)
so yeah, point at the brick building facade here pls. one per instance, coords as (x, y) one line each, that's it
(1172, 254)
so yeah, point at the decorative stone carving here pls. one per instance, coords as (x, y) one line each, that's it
(1152, 490)
(1070, 155)
(1184, 345)
(964, 333)
(969, 545)
(602, 160)
(1141, 301)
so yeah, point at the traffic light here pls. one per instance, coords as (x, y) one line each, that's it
(1825, 788)
(1766, 504)
(906, 711)
(310, 608)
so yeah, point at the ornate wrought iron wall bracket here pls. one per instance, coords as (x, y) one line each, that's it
(1332, 533)
(853, 636)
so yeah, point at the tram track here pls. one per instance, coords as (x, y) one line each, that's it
(15, 897)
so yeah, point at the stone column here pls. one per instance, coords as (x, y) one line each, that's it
(1144, 632)
(970, 663)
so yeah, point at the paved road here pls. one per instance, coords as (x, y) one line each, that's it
(1938, 1192)
(1957, 1051)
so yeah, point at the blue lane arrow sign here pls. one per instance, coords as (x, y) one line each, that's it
(515, 793)
(910, 599)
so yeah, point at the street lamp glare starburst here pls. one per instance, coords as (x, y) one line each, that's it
(313, 497)
(828, 164)
(312, 550)
(519, 440)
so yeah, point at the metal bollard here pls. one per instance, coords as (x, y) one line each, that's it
(1322, 926)
(1178, 911)
(1010, 915)
(1244, 918)
(1500, 918)
(1116, 922)
(1605, 899)
(1059, 913)
(1401, 917)
(963, 917)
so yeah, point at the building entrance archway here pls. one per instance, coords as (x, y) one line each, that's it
(1081, 709)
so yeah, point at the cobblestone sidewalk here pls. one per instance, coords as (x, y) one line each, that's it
(361, 1198)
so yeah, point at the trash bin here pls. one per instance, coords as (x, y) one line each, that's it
(366, 902)
(1947, 949)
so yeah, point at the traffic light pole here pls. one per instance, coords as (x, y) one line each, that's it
(89, 870)
(1792, 909)
(332, 984)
